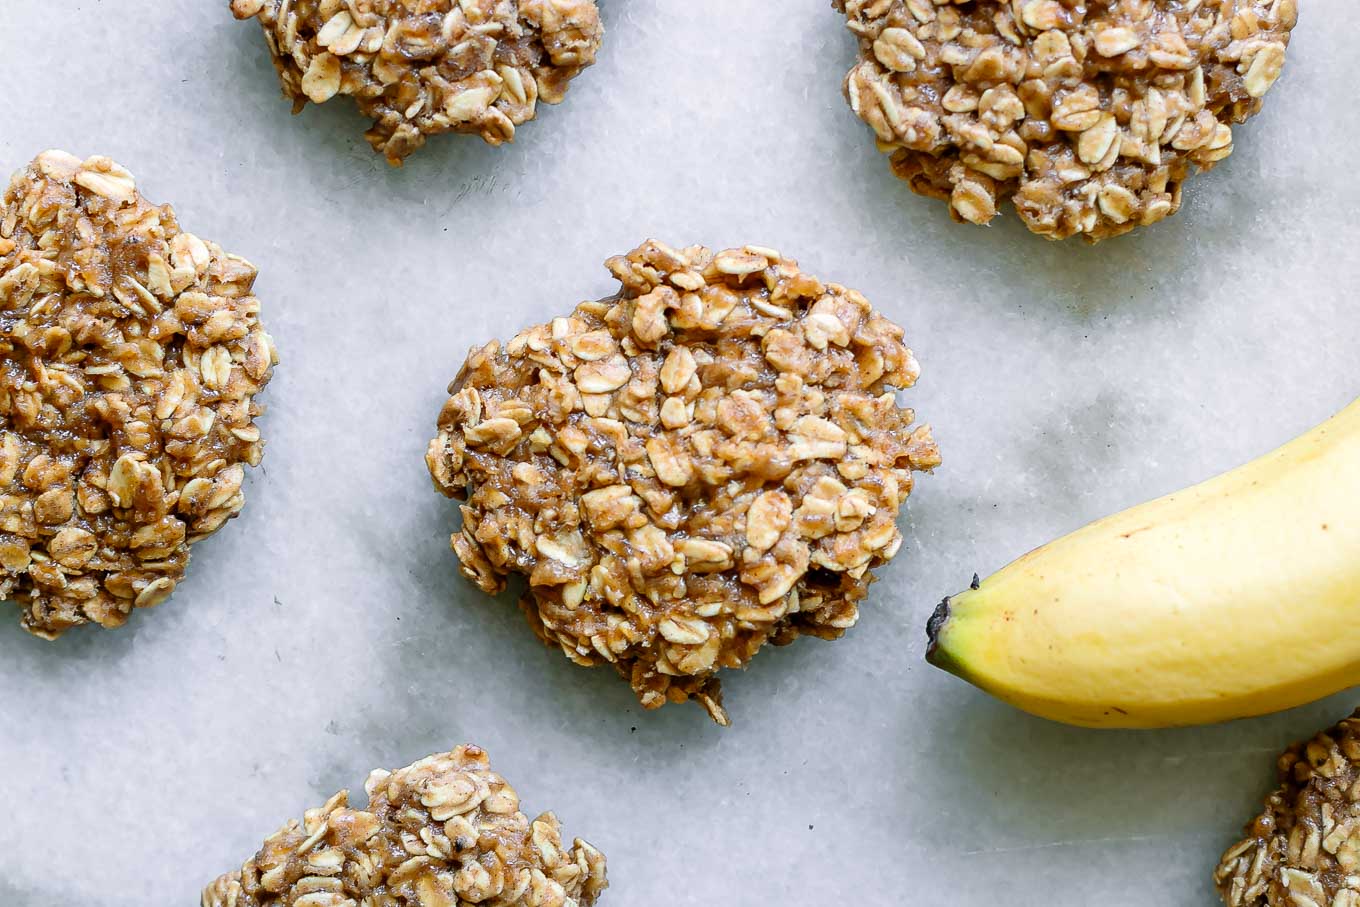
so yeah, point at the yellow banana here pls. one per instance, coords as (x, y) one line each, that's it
(1237, 597)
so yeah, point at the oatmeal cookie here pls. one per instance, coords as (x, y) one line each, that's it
(425, 67)
(444, 832)
(130, 356)
(710, 460)
(1303, 850)
(1087, 115)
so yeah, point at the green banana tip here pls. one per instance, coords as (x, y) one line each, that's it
(935, 626)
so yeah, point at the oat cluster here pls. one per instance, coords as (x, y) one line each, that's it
(1304, 849)
(1087, 115)
(130, 357)
(425, 67)
(444, 832)
(709, 461)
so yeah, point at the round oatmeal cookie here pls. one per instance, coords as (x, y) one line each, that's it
(444, 832)
(425, 67)
(130, 356)
(710, 460)
(1304, 848)
(1087, 115)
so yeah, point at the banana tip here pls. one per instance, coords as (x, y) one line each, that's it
(933, 628)
(935, 653)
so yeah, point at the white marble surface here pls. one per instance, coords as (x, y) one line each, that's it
(326, 631)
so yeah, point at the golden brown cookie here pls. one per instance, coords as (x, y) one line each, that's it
(131, 353)
(444, 832)
(709, 461)
(429, 67)
(1087, 116)
(1303, 850)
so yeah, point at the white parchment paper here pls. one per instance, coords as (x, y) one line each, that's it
(326, 631)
